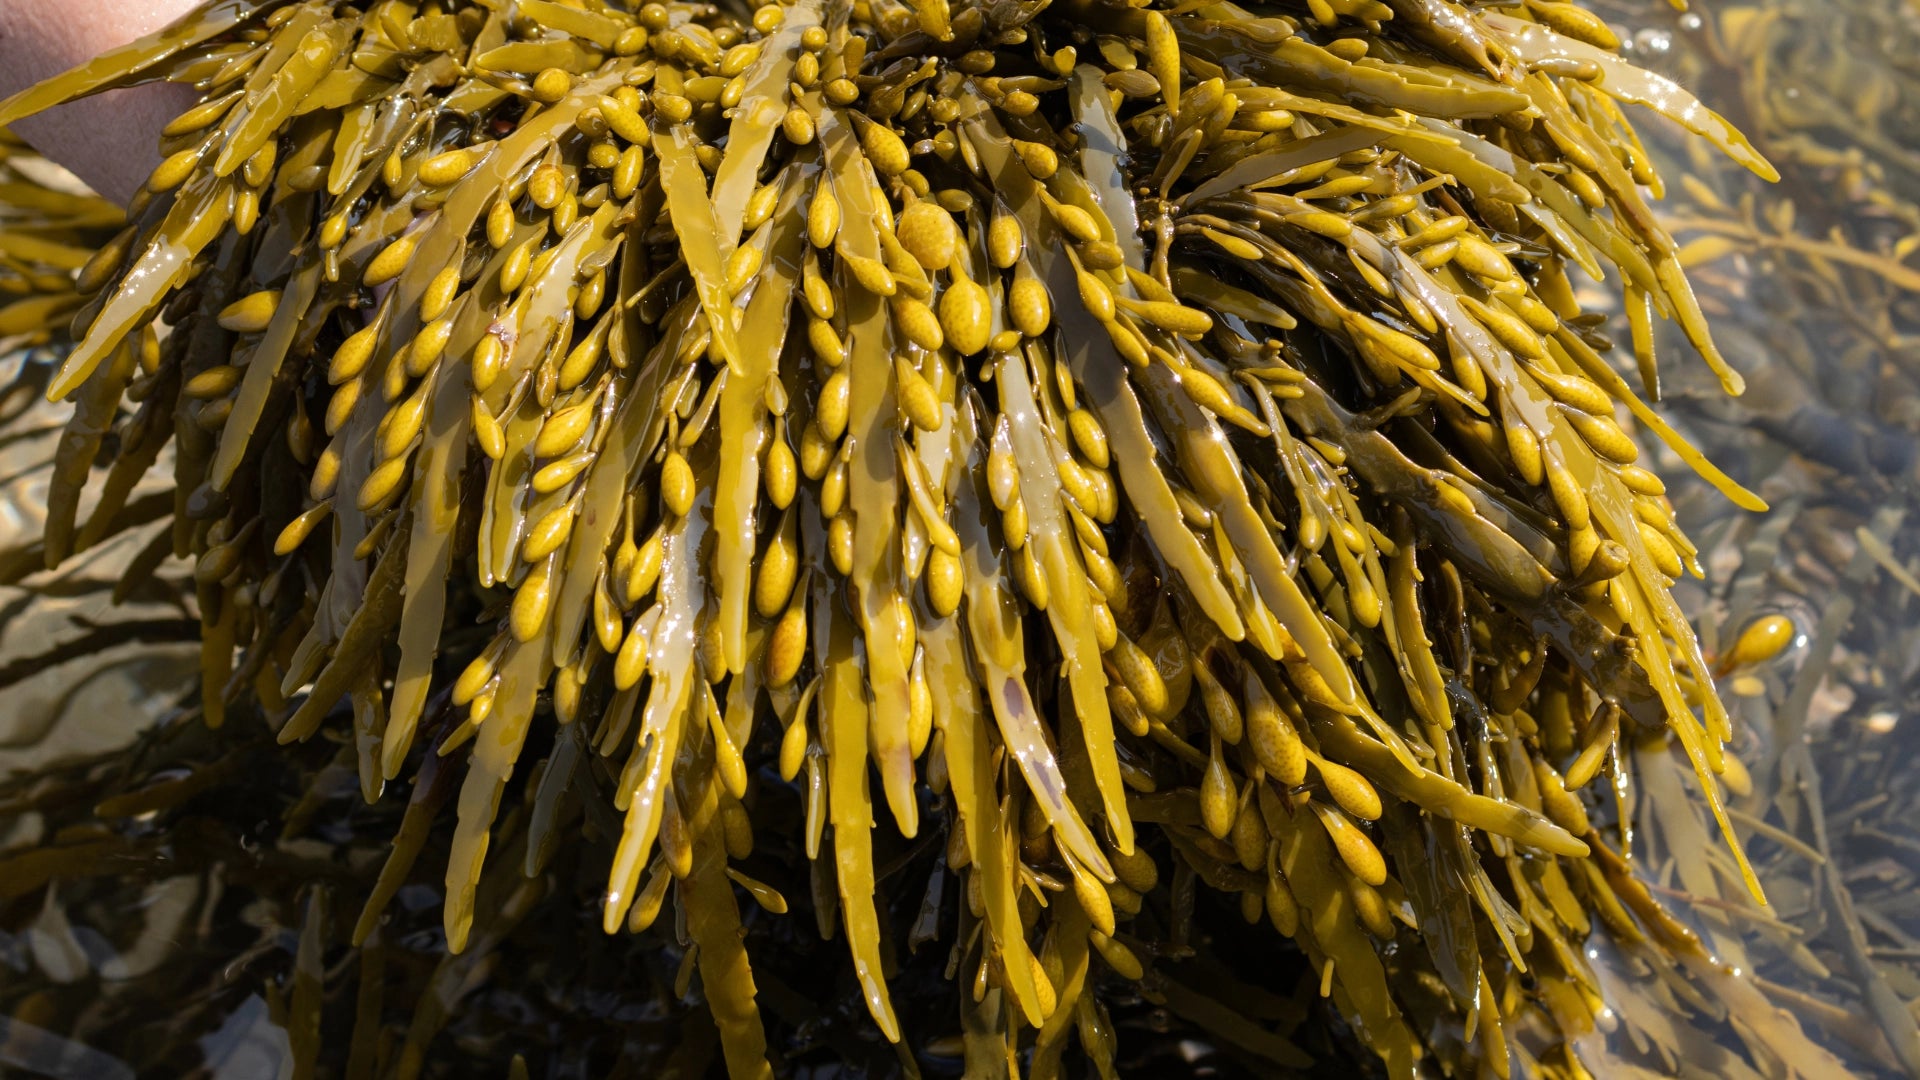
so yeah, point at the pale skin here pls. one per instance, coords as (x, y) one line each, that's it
(110, 141)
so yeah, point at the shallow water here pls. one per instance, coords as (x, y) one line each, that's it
(1813, 298)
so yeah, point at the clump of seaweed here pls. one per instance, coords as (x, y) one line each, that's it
(1137, 438)
(48, 230)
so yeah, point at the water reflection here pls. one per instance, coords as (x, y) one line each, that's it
(250, 1045)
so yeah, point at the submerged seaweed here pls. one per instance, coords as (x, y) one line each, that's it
(1810, 287)
(1162, 447)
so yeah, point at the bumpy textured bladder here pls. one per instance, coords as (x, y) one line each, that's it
(1121, 438)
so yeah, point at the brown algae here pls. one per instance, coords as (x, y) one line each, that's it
(1131, 439)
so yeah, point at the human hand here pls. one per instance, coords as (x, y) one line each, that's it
(111, 140)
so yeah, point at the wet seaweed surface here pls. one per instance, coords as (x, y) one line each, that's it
(974, 539)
